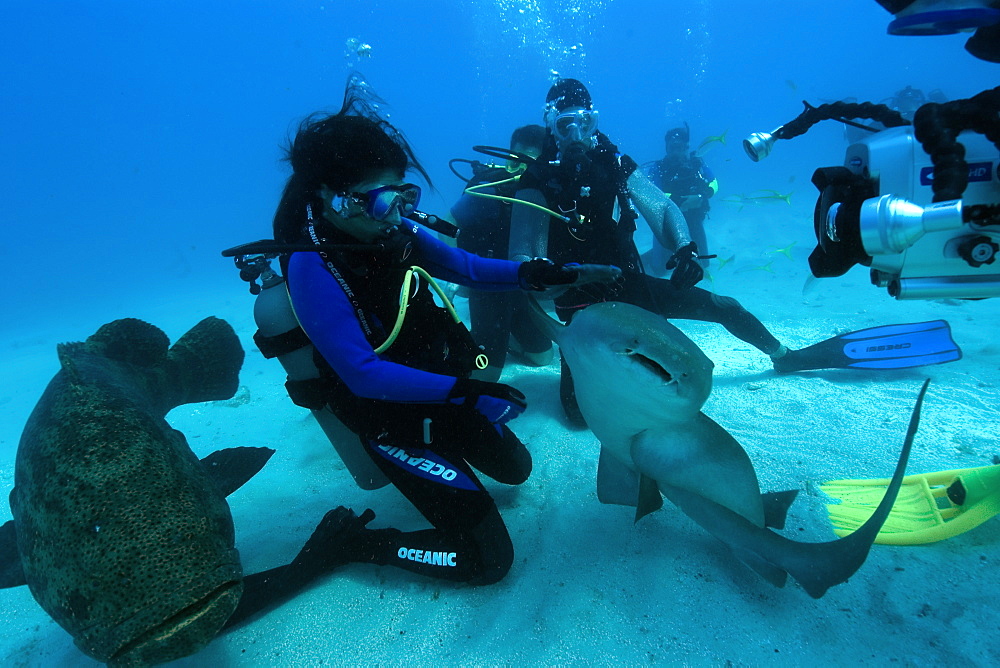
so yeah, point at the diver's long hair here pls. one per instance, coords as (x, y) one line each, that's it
(339, 151)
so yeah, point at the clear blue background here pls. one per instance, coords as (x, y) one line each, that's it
(137, 139)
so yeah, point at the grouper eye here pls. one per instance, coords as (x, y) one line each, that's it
(650, 364)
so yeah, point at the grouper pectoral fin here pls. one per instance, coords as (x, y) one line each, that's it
(815, 566)
(231, 468)
(650, 499)
(617, 484)
(11, 573)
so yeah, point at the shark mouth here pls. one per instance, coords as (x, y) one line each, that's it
(652, 365)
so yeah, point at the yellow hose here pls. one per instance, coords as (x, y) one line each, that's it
(404, 303)
(473, 190)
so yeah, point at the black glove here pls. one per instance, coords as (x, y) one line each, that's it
(499, 403)
(684, 262)
(541, 273)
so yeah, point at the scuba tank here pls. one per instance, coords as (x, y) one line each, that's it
(279, 335)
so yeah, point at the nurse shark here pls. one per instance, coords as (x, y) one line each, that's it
(640, 384)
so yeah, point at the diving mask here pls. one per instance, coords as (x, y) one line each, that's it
(380, 202)
(573, 125)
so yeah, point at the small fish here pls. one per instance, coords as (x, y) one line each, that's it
(724, 261)
(791, 84)
(786, 251)
(709, 143)
(771, 196)
(774, 195)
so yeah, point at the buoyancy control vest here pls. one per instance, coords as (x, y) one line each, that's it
(587, 192)
(430, 339)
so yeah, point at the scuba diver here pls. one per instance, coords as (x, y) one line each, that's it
(689, 183)
(588, 189)
(354, 265)
(499, 319)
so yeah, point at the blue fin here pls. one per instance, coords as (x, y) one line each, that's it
(886, 347)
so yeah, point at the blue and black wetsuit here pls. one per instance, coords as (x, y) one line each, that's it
(398, 401)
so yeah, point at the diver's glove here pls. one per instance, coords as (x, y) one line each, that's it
(497, 402)
(684, 262)
(541, 273)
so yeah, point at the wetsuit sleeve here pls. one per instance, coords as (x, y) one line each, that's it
(529, 227)
(661, 214)
(628, 165)
(457, 266)
(328, 319)
(708, 176)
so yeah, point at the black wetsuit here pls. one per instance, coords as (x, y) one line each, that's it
(496, 316)
(397, 400)
(682, 176)
(588, 194)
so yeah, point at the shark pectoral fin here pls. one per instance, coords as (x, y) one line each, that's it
(650, 499)
(231, 468)
(11, 573)
(616, 483)
(776, 505)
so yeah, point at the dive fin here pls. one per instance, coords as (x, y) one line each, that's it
(930, 506)
(885, 347)
(11, 573)
(650, 499)
(233, 467)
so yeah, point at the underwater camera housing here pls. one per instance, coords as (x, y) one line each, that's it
(919, 204)
(878, 210)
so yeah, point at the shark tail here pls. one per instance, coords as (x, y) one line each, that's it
(815, 566)
(841, 558)
(204, 364)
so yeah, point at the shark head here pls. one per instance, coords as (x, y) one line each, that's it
(628, 359)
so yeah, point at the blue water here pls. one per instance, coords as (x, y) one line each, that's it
(138, 139)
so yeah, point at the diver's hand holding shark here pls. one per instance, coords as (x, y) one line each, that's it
(624, 356)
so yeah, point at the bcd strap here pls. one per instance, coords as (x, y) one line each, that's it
(281, 344)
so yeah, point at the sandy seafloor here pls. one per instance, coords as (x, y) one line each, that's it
(588, 587)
